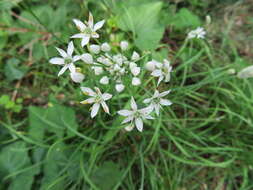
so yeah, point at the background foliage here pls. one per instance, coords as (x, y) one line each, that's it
(203, 141)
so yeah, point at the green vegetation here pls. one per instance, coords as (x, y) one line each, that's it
(203, 141)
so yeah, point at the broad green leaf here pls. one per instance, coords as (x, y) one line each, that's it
(54, 119)
(106, 176)
(14, 160)
(185, 19)
(13, 70)
(143, 21)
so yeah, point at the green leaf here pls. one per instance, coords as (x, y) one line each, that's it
(107, 176)
(54, 119)
(14, 160)
(13, 71)
(143, 21)
(185, 19)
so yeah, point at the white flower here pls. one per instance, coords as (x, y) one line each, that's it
(135, 116)
(104, 80)
(136, 81)
(119, 87)
(156, 101)
(124, 45)
(132, 65)
(77, 77)
(197, 33)
(135, 56)
(87, 58)
(135, 70)
(151, 65)
(97, 99)
(67, 60)
(163, 72)
(87, 30)
(246, 73)
(95, 49)
(105, 47)
(97, 70)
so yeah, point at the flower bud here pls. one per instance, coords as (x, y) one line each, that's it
(104, 80)
(124, 45)
(87, 58)
(77, 77)
(105, 47)
(95, 49)
(136, 81)
(119, 87)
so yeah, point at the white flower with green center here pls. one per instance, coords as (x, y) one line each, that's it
(197, 33)
(162, 71)
(135, 116)
(67, 60)
(87, 30)
(157, 101)
(97, 99)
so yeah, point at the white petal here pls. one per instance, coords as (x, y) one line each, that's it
(165, 93)
(146, 110)
(85, 41)
(156, 94)
(77, 77)
(148, 117)
(167, 77)
(119, 87)
(98, 70)
(246, 72)
(88, 101)
(133, 104)
(87, 58)
(136, 71)
(135, 56)
(106, 96)
(95, 35)
(90, 21)
(147, 101)
(128, 119)
(136, 81)
(104, 80)
(80, 35)
(95, 49)
(62, 52)
(88, 91)
(156, 73)
(105, 107)
(72, 67)
(94, 110)
(125, 113)
(129, 127)
(132, 65)
(165, 102)
(150, 66)
(70, 49)
(63, 69)
(157, 109)
(124, 45)
(139, 124)
(79, 24)
(105, 47)
(76, 58)
(99, 25)
(160, 79)
(57, 61)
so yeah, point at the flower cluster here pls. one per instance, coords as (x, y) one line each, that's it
(117, 67)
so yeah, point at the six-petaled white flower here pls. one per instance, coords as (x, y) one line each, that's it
(87, 30)
(162, 71)
(135, 116)
(197, 33)
(67, 60)
(157, 100)
(97, 99)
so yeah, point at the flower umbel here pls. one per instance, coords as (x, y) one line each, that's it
(135, 116)
(97, 99)
(157, 100)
